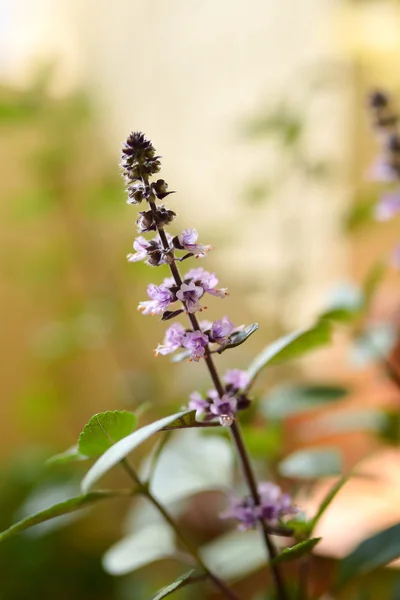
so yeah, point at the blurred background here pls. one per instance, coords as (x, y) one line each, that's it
(258, 109)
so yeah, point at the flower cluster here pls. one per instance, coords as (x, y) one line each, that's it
(139, 162)
(195, 284)
(177, 337)
(386, 167)
(273, 507)
(225, 408)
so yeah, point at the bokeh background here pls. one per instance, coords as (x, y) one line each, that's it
(258, 109)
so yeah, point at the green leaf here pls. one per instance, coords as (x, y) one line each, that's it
(345, 302)
(291, 346)
(235, 555)
(361, 419)
(103, 430)
(191, 463)
(70, 455)
(374, 552)
(361, 212)
(372, 281)
(179, 583)
(187, 422)
(312, 463)
(153, 541)
(239, 337)
(285, 401)
(297, 551)
(122, 448)
(57, 510)
(373, 344)
(331, 495)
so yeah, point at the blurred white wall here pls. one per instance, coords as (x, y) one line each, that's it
(189, 73)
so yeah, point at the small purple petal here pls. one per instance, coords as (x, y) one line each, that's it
(236, 378)
(195, 341)
(189, 295)
(172, 341)
(388, 206)
(221, 330)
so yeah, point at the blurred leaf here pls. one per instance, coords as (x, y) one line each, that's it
(192, 463)
(372, 281)
(70, 455)
(291, 346)
(361, 212)
(179, 583)
(188, 421)
(345, 302)
(291, 400)
(312, 463)
(373, 344)
(103, 430)
(374, 552)
(235, 554)
(264, 442)
(122, 448)
(296, 551)
(238, 338)
(56, 510)
(152, 542)
(362, 419)
(331, 495)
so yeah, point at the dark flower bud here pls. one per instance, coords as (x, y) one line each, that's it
(243, 402)
(146, 222)
(160, 189)
(155, 253)
(137, 192)
(164, 216)
(138, 158)
(378, 99)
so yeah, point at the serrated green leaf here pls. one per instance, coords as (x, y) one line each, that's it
(285, 401)
(70, 455)
(57, 510)
(312, 463)
(297, 551)
(179, 583)
(188, 421)
(239, 337)
(121, 449)
(103, 430)
(374, 552)
(291, 346)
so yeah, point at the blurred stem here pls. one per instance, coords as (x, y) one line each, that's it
(145, 491)
(304, 568)
(235, 430)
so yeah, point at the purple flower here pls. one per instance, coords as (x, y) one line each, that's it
(187, 241)
(381, 170)
(140, 245)
(221, 330)
(189, 293)
(195, 341)
(172, 341)
(200, 405)
(205, 326)
(160, 298)
(236, 378)
(224, 407)
(243, 512)
(388, 207)
(207, 280)
(274, 506)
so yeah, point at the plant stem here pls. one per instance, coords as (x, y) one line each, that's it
(144, 489)
(234, 429)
